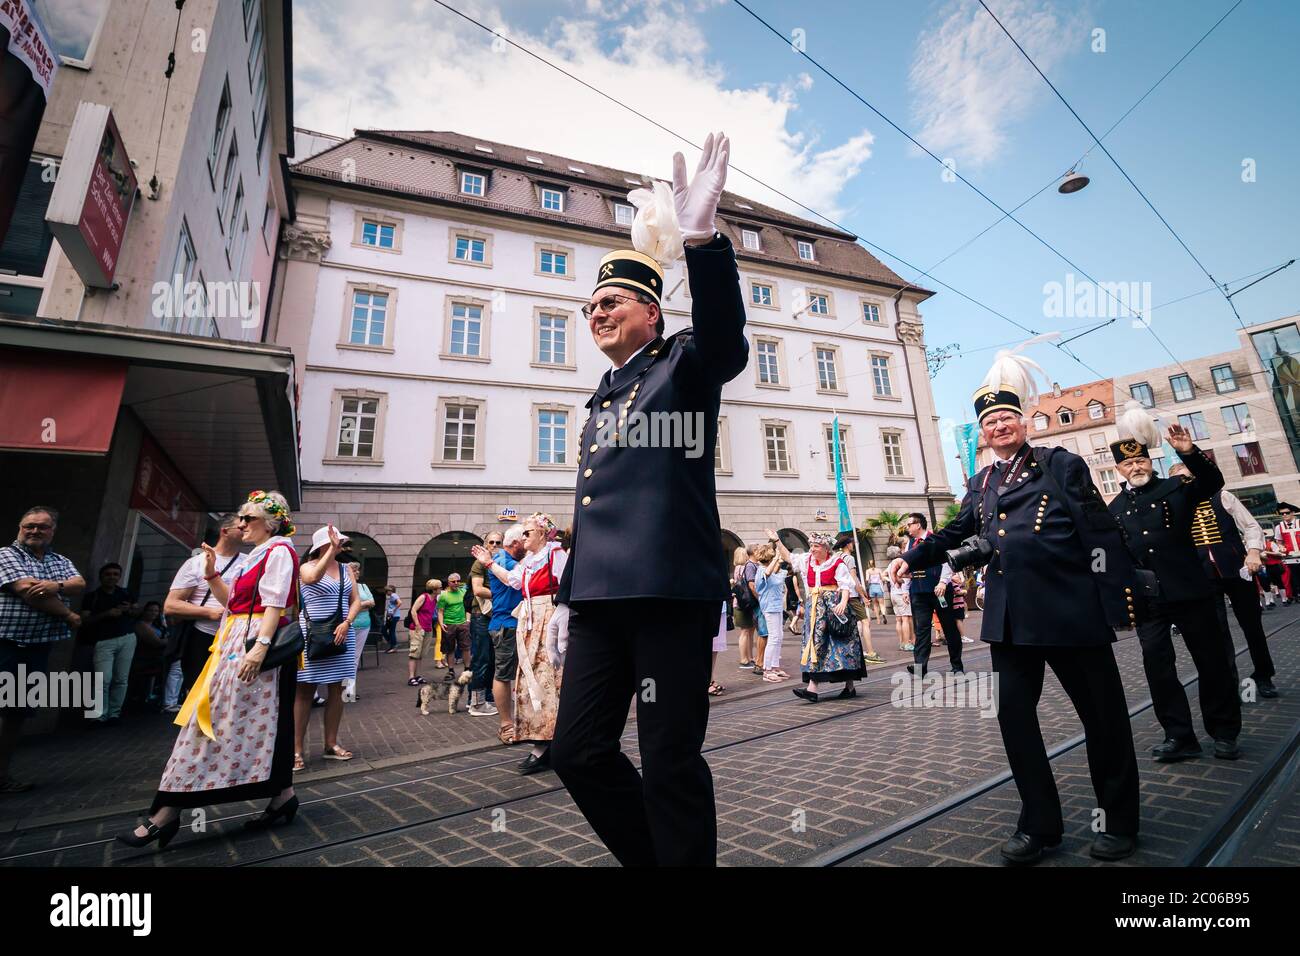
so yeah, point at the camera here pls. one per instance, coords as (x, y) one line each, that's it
(973, 552)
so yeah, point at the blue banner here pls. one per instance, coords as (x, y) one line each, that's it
(967, 437)
(841, 495)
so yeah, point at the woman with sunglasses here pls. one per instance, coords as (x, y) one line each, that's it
(236, 739)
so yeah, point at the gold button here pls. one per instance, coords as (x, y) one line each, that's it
(601, 423)
(654, 351)
(604, 404)
(1003, 516)
(1002, 532)
(586, 499)
(627, 404)
(1128, 590)
(1146, 532)
(594, 447)
(587, 473)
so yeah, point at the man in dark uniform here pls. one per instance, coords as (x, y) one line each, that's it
(1229, 539)
(923, 592)
(646, 579)
(1156, 515)
(1049, 601)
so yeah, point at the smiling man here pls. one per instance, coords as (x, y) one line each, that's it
(1058, 582)
(646, 576)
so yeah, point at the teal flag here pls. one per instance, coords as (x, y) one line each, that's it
(967, 438)
(841, 495)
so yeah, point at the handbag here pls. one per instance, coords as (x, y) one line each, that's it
(286, 643)
(178, 634)
(320, 634)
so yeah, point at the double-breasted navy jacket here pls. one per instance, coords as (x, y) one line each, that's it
(1060, 575)
(1157, 520)
(645, 517)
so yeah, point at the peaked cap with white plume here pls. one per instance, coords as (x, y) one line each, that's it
(1138, 433)
(656, 244)
(1009, 384)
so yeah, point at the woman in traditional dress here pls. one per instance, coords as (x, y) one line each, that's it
(830, 584)
(322, 577)
(236, 739)
(537, 681)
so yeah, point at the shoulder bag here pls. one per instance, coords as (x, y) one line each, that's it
(286, 643)
(320, 634)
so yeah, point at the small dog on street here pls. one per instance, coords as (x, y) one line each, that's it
(452, 690)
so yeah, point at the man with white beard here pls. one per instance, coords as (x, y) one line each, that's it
(1156, 515)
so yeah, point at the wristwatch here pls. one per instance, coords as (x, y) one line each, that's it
(264, 641)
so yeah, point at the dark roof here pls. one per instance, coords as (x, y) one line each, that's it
(426, 163)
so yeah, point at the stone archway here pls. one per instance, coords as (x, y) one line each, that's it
(730, 542)
(374, 560)
(793, 539)
(442, 555)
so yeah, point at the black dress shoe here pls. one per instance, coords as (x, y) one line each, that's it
(1026, 848)
(271, 817)
(1172, 750)
(847, 693)
(1113, 846)
(163, 834)
(533, 763)
(1265, 688)
(911, 669)
(1226, 749)
(804, 694)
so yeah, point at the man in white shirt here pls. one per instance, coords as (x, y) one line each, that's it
(190, 601)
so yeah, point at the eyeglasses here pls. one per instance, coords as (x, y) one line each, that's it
(994, 420)
(606, 304)
(37, 527)
(491, 542)
(243, 518)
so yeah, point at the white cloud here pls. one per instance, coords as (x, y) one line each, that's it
(969, 82)
(437, 72)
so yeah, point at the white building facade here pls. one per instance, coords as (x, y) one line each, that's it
(432, 295)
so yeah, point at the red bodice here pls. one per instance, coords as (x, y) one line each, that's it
(244, 596)
(826, 575)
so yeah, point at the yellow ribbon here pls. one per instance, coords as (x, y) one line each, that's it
(198, 701)
(809, 648)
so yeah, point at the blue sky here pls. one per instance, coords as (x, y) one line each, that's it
(944, 72)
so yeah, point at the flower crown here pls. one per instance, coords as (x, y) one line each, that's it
(545, 520)
(824, 540)
(275, 509)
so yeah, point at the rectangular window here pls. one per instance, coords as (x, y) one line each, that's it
(1195, 425)
(1250, 459)
(1109, 481)
(769, 368)
(555, 263)
(827, 431)
(761, 294)
(870, 312)
(1182, 386)
(826, 374)
(1040, 423)
(369, 318)
(466, 329)
(219, 130)
(357, 427)
(1223, 379)
(818, 304)
(880, 378)
(379, 234)
(228, 178)
(552, 339)
(805, 250)
(1099, 442)
(1065, 416)
(1096, 410)
(623, 214)
(459, 432)
(240, 248)
(553, 200)
(470, 250)
(268, 216)
(1209, 453)
(471, 184)
(1234, 418)
(749, 239)
(892, 442)
(552, 429)
(261, 96)
(236, 208)
(1142, 392)
(778, 456)
(254, 52)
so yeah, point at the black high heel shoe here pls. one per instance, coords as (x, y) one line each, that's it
(847, 693)
(163, 834)
(271, 817)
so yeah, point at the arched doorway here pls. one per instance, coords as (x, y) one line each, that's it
(442, 555)
(793, 539)
(374, 562)
(730, 543)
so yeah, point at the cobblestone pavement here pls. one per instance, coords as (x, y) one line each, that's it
(792, 780)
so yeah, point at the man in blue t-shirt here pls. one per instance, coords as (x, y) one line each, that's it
(501, 630)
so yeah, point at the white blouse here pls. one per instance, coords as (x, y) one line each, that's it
(843, 576)
(530, 562)
(276, 584)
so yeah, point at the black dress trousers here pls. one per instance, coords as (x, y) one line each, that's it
(1245, 606)
(924, 606)
(1091, 678)
(658, 651)
(1210, 648)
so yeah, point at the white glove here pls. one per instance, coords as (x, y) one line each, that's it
(557, 635)
(697, 202)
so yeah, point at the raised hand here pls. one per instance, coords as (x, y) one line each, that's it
(1180, 439)
(696, 202)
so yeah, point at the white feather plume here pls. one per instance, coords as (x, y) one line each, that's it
(655, 231)
(1016, 371)
(1136, 423)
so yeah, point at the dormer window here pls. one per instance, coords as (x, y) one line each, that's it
(1040, 422)
(578, 169)
(1065, 416)
(483, 149)
(1096, 410)
(749, 239)
(805, 250)
(552, 199)
(535, 159)
(472, 184)
(623, 214)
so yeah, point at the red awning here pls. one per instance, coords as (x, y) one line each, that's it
(51, 401)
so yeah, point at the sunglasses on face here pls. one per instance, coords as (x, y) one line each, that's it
(605, 304)
(38, 527)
